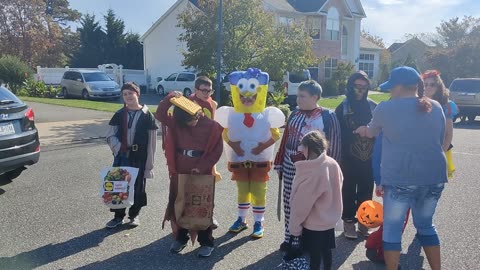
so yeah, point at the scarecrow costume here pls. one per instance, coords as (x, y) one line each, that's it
(187, 147)
(253, 129)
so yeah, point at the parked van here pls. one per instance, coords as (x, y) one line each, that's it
(292, 80)
(180, 81)
(465, 92)
(89, 84)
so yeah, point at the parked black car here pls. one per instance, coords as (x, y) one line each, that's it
(19, 143)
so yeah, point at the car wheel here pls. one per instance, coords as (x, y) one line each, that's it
(161, 90)
(471, 117)
(187, 92)
(85, 95)
(65, 92)
(15, 173)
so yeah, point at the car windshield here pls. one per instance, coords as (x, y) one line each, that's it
(468, 86)
(7, 97)
(298, 76)
(96, 77)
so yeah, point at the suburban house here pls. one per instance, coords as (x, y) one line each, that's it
(334, 25)
(411, 52)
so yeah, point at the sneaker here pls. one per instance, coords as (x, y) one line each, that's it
(134, 222)
(362, 229)
(257, 230)
(205, 251)
(238, 226)
(284, 247)
(215, 224)
(349, 230)
(115, 222)
(177, 246)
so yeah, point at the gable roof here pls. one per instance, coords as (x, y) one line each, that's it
(396, 46)
(280, 5)
(367, 44)
(307, 5)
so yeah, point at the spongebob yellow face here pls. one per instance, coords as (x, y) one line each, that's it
(249, 90)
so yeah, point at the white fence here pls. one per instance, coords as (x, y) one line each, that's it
(53, 76)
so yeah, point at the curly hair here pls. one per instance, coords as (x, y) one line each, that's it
(442, 93)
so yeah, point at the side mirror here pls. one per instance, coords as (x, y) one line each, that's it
(159, 79)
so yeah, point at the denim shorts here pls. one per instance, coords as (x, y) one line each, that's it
(422, 200)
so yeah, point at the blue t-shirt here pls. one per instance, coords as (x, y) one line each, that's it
(412, 141)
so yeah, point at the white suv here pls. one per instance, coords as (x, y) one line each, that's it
(181, 81)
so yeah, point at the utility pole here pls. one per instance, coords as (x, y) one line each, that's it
(219, 53)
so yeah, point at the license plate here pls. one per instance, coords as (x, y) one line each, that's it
(7, 129)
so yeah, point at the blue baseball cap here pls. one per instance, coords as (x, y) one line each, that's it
(401, 76)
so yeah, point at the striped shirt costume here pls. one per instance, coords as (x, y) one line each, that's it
(300, 123)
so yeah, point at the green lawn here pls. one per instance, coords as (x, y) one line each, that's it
(332, 103)
(77, 103)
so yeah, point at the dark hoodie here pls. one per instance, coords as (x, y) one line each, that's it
(353, 113)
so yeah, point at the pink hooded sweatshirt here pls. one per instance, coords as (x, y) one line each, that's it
(316, 197)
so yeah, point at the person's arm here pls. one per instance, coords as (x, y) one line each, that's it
(375, 126)
(335, 139)
(112, 140)
(447, 141)
(302, 199)
(151, 149)
(162, 110)
(262, 146)
(206, 163)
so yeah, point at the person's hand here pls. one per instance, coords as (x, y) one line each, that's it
(195, 171)
(259, 149)
(236, 147)
(379, 191)
(361, 131)
(177, 94)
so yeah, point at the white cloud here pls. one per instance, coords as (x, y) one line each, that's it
(392, 19)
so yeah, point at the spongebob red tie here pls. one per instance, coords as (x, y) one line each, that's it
(248, 120)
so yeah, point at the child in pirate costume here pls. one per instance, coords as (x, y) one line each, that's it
(193, 145)
(307, 117)
(132, 137)
(356, 110)
(250, 134)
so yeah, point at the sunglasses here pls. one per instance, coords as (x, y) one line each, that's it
(430, 85)
(206, 90)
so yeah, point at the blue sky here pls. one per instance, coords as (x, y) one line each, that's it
(389, 19)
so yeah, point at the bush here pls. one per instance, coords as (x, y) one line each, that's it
(14, 72)
(330, 88)
(32, 88)
(285, 108)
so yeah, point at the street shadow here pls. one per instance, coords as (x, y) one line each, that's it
(368, 265)
(157, 256)
(4, 180)
(54, 252)
(413, 258)
(344, 249)
(271, 261)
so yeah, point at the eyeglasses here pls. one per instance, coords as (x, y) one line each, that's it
(430, 85)
(206, 90)
(361, 87)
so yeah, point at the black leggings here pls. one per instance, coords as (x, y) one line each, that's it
(316, 257)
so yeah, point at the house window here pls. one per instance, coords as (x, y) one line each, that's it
(285, 21)
(344, 41)
(330, 66)
(314, 25)
(333, 24)
(367, 63)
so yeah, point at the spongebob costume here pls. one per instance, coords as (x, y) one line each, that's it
(250, 132)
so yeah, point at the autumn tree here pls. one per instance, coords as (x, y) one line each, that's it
(33, 30)
(251, 38)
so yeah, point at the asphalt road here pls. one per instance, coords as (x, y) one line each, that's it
(53, 218)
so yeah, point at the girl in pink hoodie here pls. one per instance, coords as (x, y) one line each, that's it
(316, 200)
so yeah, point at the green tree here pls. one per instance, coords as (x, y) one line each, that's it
(133, 57)
(114, 43)
(251, 38)
(90, 52)
(14, 71)
(452, 32)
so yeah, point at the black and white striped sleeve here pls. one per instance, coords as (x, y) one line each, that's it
(335, 138)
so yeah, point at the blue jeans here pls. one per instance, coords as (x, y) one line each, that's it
(422, 200)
